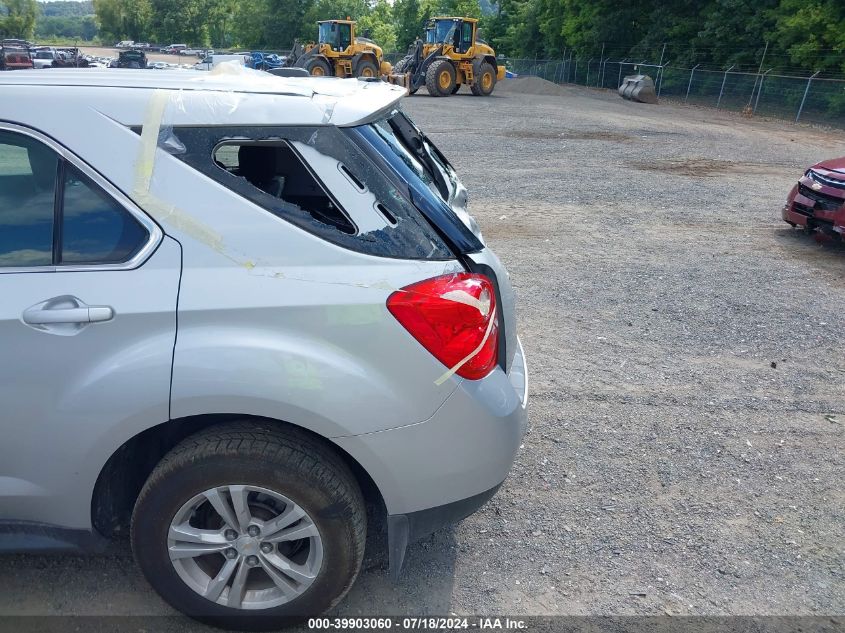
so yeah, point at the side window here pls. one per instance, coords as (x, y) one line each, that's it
(95, 229)
(345, 36)
(324, 180)
(277, 175)
(467, 34)
(92, 228)
(27, 198)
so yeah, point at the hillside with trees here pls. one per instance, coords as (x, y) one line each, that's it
(63, 19)
(803, 36)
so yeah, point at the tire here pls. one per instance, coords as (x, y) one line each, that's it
(402, 65)
(317, 67)
(265, 467)
(485, 80)
(366, 68)
(440, 78)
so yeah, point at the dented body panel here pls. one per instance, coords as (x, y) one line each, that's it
(817, 201)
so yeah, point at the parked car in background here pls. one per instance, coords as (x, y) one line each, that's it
(14, 58)
(70, 58)
(125, 44)
(231, 351)
(43, 57)
(214, 60)
(174, 49)
(817, 201)
(131, 59)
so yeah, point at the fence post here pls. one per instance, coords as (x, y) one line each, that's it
(806, 91)
(691, 73)
(569, 67)
(622, 61)
(587, 80)
(575, 74)
(660, 79)
(561, 66)
(760, 90)
(601, 59)
(721, 92)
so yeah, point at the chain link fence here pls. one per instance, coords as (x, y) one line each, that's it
(810, 99)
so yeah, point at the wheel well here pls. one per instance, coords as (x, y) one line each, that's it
(124, 474)
(489, 59)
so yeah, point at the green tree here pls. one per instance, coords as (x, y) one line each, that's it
(119, 19)
(408, 20)
(17, 18)
(812, 32)
(274, 24)
(462, 8)
(379, 23)
(89, 28)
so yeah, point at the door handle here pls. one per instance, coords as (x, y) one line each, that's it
(66, 310)
(48, 317)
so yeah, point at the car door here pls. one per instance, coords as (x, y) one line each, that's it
(88, 288)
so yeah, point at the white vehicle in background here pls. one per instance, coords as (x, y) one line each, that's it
(174, 49)
(44, 58)
(214, 60)
(125, 44)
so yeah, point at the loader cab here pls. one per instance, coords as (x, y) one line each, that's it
(457, 32)
(337, 34)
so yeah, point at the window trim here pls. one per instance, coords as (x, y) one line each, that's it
(155, 235)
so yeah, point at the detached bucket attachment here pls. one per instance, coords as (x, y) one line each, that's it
(403, 79)
(638, 88)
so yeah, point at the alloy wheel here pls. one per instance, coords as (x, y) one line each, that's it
(245, 547)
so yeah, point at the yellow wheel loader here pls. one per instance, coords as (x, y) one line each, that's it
(451, 56)
(339, 53)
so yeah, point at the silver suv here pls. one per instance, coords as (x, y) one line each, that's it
(236, 310)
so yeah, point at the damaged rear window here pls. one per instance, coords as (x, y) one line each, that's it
(316, 179)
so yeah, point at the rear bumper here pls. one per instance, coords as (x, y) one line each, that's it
(403, 529)
(439, 471)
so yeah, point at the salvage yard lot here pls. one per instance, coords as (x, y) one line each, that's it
(685, 347)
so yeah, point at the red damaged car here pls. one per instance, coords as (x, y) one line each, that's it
(817, 202)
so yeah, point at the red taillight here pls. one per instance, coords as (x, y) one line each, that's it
(454, 317)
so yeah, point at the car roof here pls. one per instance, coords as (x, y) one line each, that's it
(303, 100)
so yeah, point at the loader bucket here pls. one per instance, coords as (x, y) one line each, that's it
(397, 79)
(638, 88)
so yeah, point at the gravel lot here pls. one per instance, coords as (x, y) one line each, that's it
(685, 346)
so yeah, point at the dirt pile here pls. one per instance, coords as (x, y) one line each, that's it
(530, 86)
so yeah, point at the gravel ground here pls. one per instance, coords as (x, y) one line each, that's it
(685, 446)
